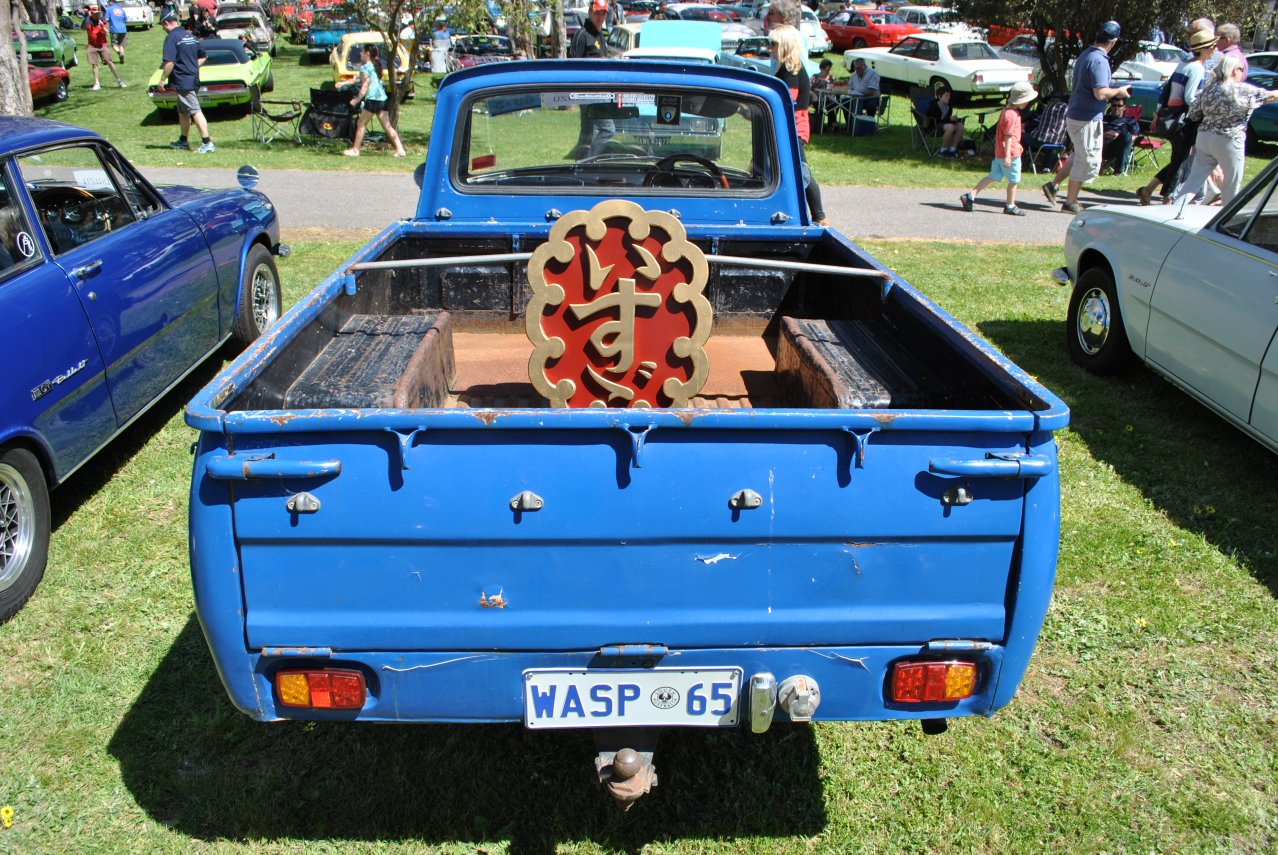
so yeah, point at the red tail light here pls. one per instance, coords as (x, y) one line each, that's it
(320, 689)
(932, 682)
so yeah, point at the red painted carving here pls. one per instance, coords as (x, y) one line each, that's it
(618, 316)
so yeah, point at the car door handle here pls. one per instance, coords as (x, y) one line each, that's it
(87, 270)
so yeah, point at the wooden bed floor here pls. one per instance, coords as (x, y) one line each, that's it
(492, 371)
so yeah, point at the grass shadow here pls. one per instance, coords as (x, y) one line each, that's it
(1204, 474)
(85, 484)
(200, 767)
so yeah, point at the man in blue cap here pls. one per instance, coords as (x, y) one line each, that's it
(1093, 88)
(180, 63)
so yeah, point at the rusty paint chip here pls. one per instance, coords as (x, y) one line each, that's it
(496, 601)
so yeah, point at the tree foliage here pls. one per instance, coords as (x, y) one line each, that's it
(410, 24)
(1073, 24)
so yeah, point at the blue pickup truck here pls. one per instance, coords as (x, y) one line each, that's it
(609, 435)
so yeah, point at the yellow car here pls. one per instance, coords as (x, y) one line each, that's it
(346, 58)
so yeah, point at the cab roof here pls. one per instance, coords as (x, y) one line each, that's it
(18, 133)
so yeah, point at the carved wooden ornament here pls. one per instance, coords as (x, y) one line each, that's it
(618, 315)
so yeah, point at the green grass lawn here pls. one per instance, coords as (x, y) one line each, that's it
(1147, 720)
(127, 119)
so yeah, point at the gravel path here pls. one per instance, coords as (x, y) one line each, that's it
(362, 201)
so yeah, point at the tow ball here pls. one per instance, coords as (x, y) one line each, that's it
(627, 771)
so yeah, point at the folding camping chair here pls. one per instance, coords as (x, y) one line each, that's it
(926, 132)
(329, 115)
(272, 119)
(1144, 148)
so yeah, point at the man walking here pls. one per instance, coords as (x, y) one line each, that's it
(589, 43)
(118, 24)
(1093, 88)
(182, 58)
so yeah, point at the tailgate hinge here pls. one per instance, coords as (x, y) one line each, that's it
(623, 651)
(956, 645)
(295, 652)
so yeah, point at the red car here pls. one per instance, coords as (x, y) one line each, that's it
(52, 82)
(1001, 35)
(855, 28)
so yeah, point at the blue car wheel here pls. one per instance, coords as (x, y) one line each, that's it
(24, 528)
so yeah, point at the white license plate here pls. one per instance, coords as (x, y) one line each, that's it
(671, 697)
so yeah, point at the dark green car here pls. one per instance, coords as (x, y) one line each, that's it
(48, 46)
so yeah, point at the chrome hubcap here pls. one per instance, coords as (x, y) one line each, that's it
(1093, 321)
(266, 309)
(17, 525)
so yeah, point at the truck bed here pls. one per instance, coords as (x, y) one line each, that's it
(454, 337)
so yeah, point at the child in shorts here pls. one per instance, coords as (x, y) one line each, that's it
(1007, 151)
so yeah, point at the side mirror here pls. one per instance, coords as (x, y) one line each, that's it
(247, 176)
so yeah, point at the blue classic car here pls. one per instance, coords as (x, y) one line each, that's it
(111, 292)
(327, 28)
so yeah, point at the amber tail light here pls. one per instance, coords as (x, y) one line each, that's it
(932, 682)
(320, 689)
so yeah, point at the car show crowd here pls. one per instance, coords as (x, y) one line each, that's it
(1108, 118)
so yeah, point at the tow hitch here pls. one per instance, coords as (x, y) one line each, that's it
(626, 770)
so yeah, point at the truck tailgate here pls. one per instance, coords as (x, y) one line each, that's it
(839, 550)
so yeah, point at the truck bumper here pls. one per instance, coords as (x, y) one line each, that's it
(486, 686)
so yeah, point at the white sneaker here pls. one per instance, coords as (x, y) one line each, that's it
(96, 87)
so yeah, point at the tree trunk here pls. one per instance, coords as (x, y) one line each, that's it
(519, 27)
(41, 11)
(558, 30)
(15, 93)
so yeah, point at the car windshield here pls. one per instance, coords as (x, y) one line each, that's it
(1167, 54)
(754, 47)
(33, 35)
(884, 18)
(483, 45)
(609, 140)
(237, 22)
(223, 57)
(972, 51)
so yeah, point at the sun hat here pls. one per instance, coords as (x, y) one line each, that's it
(1109, 31)
(1202, 40)
(1021, 93)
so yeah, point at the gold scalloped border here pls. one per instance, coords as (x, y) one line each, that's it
(641, 224)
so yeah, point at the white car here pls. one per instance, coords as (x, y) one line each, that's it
(242, 24)
(809, 25)
(1152, 62)
(138, 14)
(964, 63)
(937, 19)
(1190, 290)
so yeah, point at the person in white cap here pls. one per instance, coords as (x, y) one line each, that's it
(1007, 150)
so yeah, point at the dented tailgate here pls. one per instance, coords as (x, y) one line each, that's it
(556, 540)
